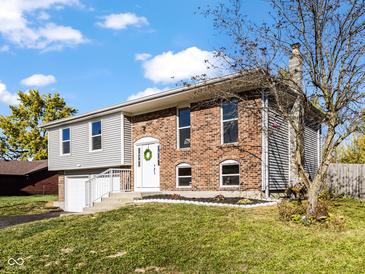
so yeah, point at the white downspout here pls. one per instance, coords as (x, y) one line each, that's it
(264, 153)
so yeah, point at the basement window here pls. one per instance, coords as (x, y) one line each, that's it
(66, 141)
(96, 136)
(183, 175)
(230, 173)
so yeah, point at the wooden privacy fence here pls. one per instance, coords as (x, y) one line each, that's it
(347, 179)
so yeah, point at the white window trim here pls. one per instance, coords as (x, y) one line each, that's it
(91, 136)
(228, 120)
(62, 141)
(228, 163)
(178, 128)
(183, 165)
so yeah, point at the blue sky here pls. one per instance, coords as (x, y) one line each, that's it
(99, 53)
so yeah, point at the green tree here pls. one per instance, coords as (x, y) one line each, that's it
(353, 153)
(21, 136)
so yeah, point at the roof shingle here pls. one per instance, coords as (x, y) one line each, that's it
(21, 167)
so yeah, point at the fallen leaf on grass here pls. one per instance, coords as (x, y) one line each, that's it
(119, 254)
(67, 250)
(150, 268)
(52, 263)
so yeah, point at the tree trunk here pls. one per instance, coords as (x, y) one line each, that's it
(318, 182)
(313, 194)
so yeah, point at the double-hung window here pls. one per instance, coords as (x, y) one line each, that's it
(66, 141)
(96, 136)
(183, 175)
(183, 128)
(229, 121)
(230, 173)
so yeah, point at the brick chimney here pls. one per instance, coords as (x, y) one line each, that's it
(295, 67)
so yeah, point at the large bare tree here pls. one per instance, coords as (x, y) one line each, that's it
(327, 37)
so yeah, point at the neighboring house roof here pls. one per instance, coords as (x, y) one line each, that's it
(151, 102)
(21, 167)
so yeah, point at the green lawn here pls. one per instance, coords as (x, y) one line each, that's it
(24, 205)
(187, 239)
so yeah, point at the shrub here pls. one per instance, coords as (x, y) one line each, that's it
(296, 218)
(244, 201)
(287, 209)
(295, 211)
(175, 196)
(219, 197)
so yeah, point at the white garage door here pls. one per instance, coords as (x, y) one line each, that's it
(75, 193)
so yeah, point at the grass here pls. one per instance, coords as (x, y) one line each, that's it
(24, 205)
(187, 239)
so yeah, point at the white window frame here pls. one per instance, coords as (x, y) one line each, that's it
(64, 141)
(91, 135)
(221, 175)
(228, 120)
(178, 128)
(183, 165)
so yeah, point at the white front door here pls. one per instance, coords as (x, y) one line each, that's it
(147, 168)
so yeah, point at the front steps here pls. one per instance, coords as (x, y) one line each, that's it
(114, 201)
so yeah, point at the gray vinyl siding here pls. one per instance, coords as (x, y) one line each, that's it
(81, 156)
(84, 172)
(127, 141)
(278, 151)
(311, 150)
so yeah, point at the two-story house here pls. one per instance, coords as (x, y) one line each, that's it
(177, 140)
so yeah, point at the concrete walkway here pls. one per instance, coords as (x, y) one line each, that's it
(116, 200)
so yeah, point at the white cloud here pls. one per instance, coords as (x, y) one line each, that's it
(142, 56)
(7, 97)
(57, 37)
(119, 21)
(4, 48)
(25, 24)
(146, 92)
(38, 80)
(170, 67)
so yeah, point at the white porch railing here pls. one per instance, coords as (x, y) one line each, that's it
(101, 185)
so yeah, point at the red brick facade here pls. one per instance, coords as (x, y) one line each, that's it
(206, 151)
(61, 188)
(41, 182)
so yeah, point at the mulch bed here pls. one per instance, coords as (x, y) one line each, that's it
(14, 220)
(217, 200)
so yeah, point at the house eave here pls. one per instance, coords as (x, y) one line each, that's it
(144, 104)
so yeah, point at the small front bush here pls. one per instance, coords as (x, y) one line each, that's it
(244, 201)
(295, 211)
(219, 197)
(288, 209)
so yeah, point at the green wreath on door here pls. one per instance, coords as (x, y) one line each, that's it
(147, 154)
